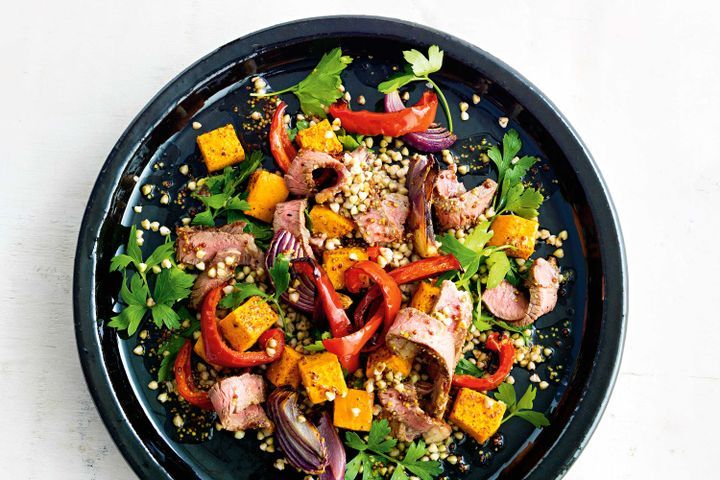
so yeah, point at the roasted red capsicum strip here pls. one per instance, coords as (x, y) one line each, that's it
(394, 124)
(354, 279)
(281, 147)
(219, 353)
(506, 354)
(351, 345)
(412, 272)
(329, 298)
(184, 379)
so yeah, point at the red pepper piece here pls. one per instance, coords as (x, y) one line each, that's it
(348, 348)
(218, 352)
(506, 354)
(394, 124)
(412, 272)
(385, 282)
(373, 253)
(281, 147)
(329, 298)
(185, 384)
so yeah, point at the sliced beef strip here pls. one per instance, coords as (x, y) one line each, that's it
(307, 167)
(510, 304)
(440, 336)
(384, 221)
(407, 419)
(455, 305)
(290, 216)
(464, 211)
(201, 244)
(222, 268)
(506, 302)
(237, 402)
(543, 284)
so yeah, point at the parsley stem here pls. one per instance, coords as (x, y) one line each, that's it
(271, 94)
(446, 107)
(508, 417)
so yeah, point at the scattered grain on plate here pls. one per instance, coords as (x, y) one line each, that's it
(184, 169)
(196, 125)
(463, 106)
(464, 116)
(139, 350)
(137, 209)
(361, 100)
(475, 99)
(503, 121)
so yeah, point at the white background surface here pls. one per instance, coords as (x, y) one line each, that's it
(639, 81)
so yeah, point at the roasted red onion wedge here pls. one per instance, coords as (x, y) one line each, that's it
(302, 443)
(421, 178)
(336, 450)
(434, 139)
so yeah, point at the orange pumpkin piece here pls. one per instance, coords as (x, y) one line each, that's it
(244, 325)
(220, 148)
(265, 191)
(285, 371)
(515, 231)
(425, 297)
(354, 411)
(322, 377)
(479, 415)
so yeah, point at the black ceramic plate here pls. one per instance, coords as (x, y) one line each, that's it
(588, 326)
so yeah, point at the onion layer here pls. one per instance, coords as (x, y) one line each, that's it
(434, 139)
(421, 180)
(285, 242)
(336, 468)
(304, 446)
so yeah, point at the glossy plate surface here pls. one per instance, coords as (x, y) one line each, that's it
(586, 330)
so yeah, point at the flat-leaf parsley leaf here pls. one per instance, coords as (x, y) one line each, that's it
(321, 88)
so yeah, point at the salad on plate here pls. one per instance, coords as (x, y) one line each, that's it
(356, 305)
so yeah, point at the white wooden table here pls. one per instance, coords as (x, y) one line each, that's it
(639, 81)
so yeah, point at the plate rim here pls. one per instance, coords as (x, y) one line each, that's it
(591, 406)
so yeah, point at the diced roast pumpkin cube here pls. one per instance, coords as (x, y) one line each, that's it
(265, 191)
(220, 148)
(319, 137)
(337, 262)
(515, 231)
(383, 359)
(323, 377)
(199, 349)
(244, 325)
(330, 223)
(479, 415)
(354, 411)
(285, 371)
(425, 297)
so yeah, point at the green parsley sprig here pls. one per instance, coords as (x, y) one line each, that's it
(514, 196)
(321, 88)
(522, 408)
(171, 284)
(474, 253)
(219, 193)
(223, 196)
(377, 449)
(418, 69)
